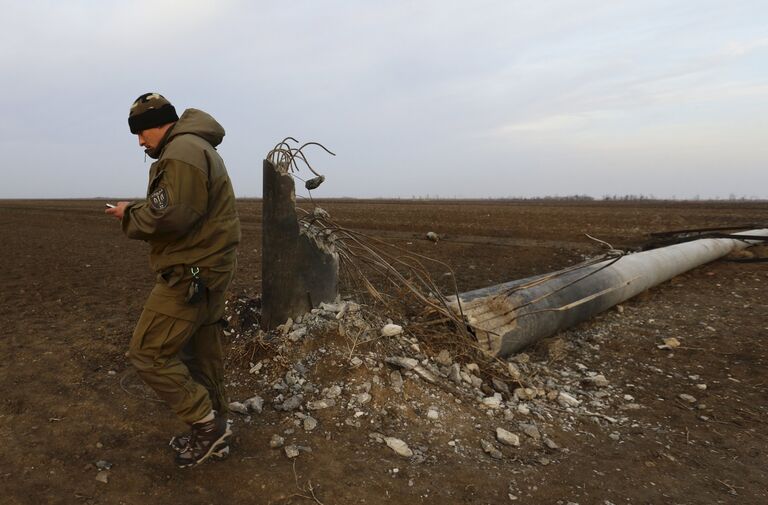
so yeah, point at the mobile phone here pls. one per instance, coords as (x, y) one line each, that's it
(110, 206)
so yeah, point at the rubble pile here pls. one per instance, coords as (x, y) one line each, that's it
(342, 368)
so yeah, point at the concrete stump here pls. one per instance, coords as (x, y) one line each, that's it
(298, 269)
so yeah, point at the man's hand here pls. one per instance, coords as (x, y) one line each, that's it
(118, 210)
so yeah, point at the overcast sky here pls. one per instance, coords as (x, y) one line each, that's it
(439, 98)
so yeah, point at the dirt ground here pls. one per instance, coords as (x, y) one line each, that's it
(73, 287)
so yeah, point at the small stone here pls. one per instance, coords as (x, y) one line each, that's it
(566, 400)
(433, 414)
(521, 358)
(476, 381)
(544, 461)
(256, 368)
(687, 398)
(297, 334)
(492, 402)
(514, 372)
(333, 391)
(425, 374)
(396, 380)
(310, 423)
(355, 362)
(669, 343)
(531, 430)
(500, 386)
(444, 358)
(473, 368)
(362, 398)
(292, 403)
(351, 421)
(454, 373)
(291, 451)
(702, 387)
(524, 393)
(391, 330)
(400, 447)
(597, 381)
(614, 436)
(276, 441)
(321, 404)
(402, 362)
(254, 404)
(507, 438)
(284, 328)
(629, 398)
(331, 307)
(238, 408)
(491, 450)
(551, 444)
(103, 477)
(523, 409)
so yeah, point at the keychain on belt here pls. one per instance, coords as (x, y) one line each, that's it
(196, 287)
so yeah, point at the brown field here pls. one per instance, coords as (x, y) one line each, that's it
(73, 287)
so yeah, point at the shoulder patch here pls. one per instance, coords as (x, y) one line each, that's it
(158, 199)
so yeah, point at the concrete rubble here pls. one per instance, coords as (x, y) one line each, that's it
(352, 378)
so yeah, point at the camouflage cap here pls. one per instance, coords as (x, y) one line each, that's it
(151, 110)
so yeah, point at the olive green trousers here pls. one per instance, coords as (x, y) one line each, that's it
(176, 346)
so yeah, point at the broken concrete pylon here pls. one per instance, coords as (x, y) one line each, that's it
(507, 317)
(299, 269)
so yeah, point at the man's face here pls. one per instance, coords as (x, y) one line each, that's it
(151, 137)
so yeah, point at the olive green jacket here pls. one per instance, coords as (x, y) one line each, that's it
(189, 216)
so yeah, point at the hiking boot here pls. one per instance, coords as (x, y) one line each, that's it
(178, 443)
(206, 440)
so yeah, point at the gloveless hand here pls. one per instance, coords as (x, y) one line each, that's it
(118, 210)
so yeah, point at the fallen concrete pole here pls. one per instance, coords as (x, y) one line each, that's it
(508, 317)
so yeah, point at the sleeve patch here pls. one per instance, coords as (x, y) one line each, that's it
(158, 199)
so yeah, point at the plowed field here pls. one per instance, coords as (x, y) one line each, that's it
(73, 287)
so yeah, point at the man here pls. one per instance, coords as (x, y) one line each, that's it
(190, 222)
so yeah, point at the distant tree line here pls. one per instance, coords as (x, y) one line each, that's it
(587, 198)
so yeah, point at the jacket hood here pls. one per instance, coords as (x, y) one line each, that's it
(195, 122)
